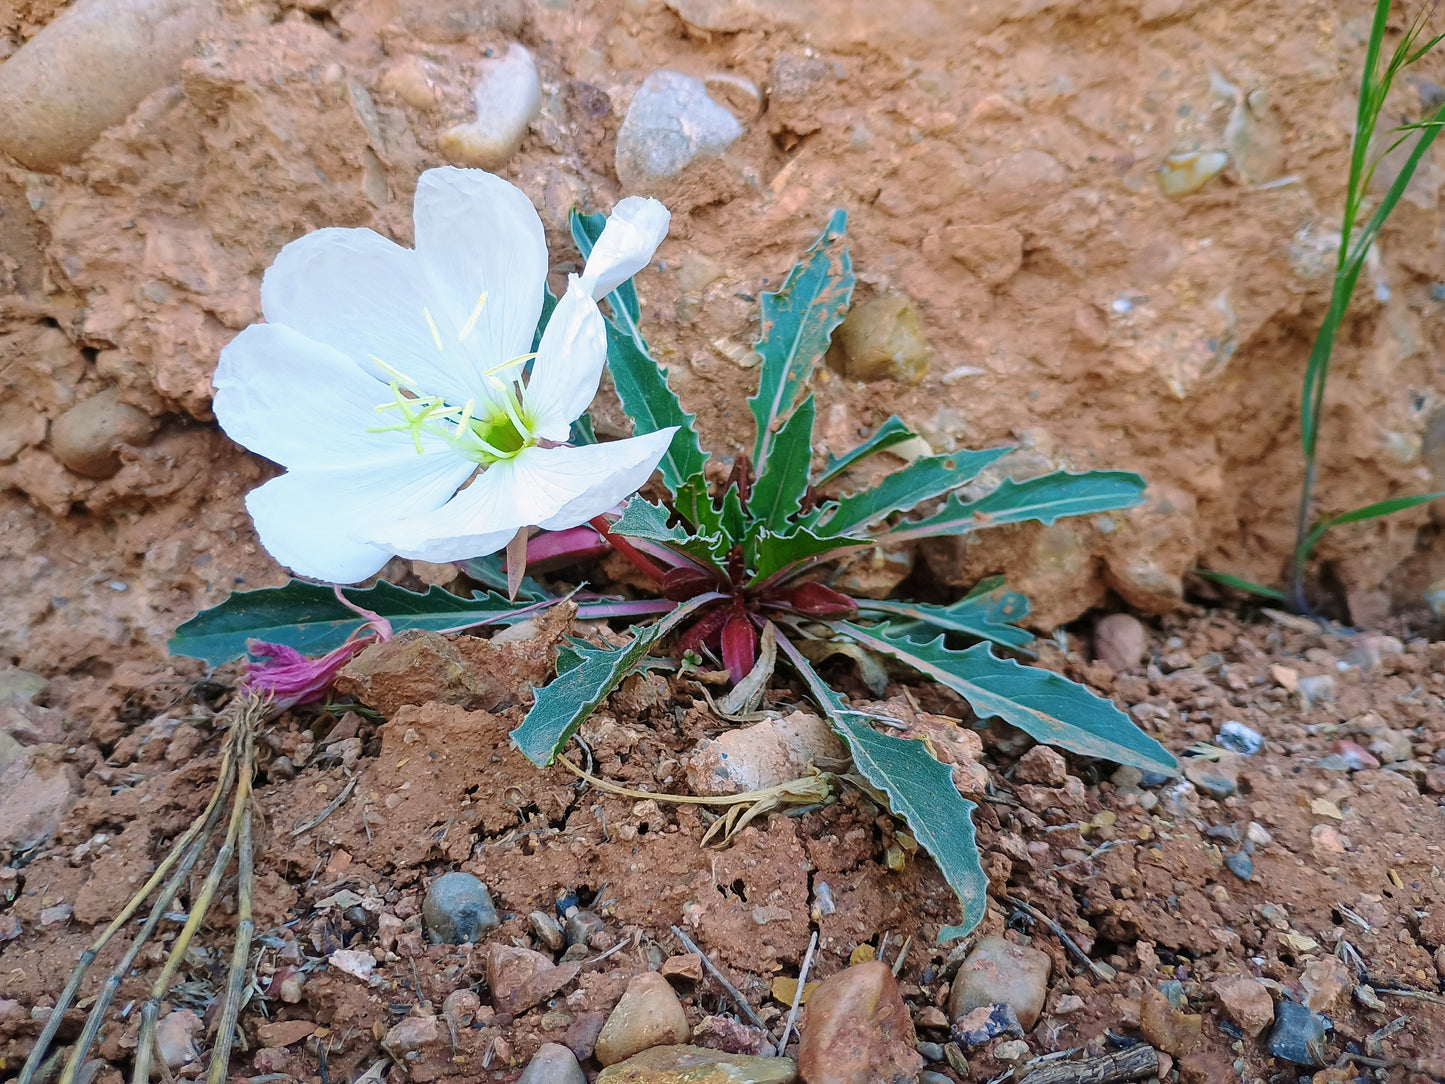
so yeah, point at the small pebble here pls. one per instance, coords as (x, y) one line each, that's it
(1119, 641)
(930, 1077)
(998, 971)
(1241, 865)
(553, 1064)
(984, 1023)
(508, 98)
(1238, 738)
(88, 437)
(581, 925)
(458, 909)
(1298, 1035)
(547, 930)
(649, 1014)
(1013, 1050)
(882, 339)
(933, 1052)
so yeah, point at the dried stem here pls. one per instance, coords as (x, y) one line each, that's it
(798, 994)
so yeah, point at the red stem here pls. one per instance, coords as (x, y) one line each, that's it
(626, 548)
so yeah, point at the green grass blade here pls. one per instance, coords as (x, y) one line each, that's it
(1369, 511)
(1224, 579)
(797, 325)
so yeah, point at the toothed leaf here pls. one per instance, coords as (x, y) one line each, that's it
(891, 432)
(797, 324)
(928, 477)
(1047, 706)
(989, 612)
(778, 493)
(308, 618)
(1045, 499)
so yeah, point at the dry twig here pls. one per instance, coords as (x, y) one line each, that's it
(798, 994)
(738, 999)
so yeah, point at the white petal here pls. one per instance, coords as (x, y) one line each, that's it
(316, 521)
(598, 475)
(552, 488)
(633, 231)
(369, 298)
(569, 364)
(479, 236)
(304, 404)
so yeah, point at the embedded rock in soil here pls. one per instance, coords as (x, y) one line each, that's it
(683, 1064)
(1042, 765)
(1325, 981)
(176, 1037)
(763, 755)
(553, 1064)
(1298, 1035)
(883, 339)
(986, 1022)
(1119, 641)
(20, 685)
(1247, 1002)
(1167, 1028)
(457, 909)
(442, 22)
(993, 253)
(671, 123)
(88, 437)
(418, 667)
(581, 1034)
(35, 793)
(88, 69)
(520, 978)
(998, 971)
(508, 97)
(648, 1015)
(411, 1035)
(1218, 778)
(856, 1029)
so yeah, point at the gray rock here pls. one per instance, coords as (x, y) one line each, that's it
(998, 971)
(581, 925)
(553, 1064)
(88, 69)
(978, 1026)
(1238, 738)
(508, 98)
(1241, 865)
(88, 437)
(457, 909)
(547, 930)
(930, 1077)
(20, 685)
(931, 1051)
(670, 123)
(35, 792)
(1298, 1035)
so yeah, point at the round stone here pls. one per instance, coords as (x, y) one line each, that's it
(457, 909)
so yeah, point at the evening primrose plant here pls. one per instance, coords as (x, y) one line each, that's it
(742, 575)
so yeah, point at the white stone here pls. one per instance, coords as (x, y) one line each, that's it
(508, 97)
(670, 123)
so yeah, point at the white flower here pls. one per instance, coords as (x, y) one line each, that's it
(386, 379)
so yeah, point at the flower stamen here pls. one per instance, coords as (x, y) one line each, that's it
(472, 319)
(436, 336)
(405, 380)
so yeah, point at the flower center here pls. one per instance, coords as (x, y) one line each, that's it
(496, 429)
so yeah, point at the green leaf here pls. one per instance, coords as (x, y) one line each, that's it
(563, 705)
(919, 789)
(727, 520)
(797, 324)
(891, 432)
(1224, 579)
(778, 492)
(1369, 511)
(1047, 706)
(488, 572)
(641, 519)
(928, 477)
(641, 385)
(989, 612)
(769, 553)
(308, 617)
(1045, 499)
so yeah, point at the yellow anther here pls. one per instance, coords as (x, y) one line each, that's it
(436, 336)
(472, 319)
(521, 359)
